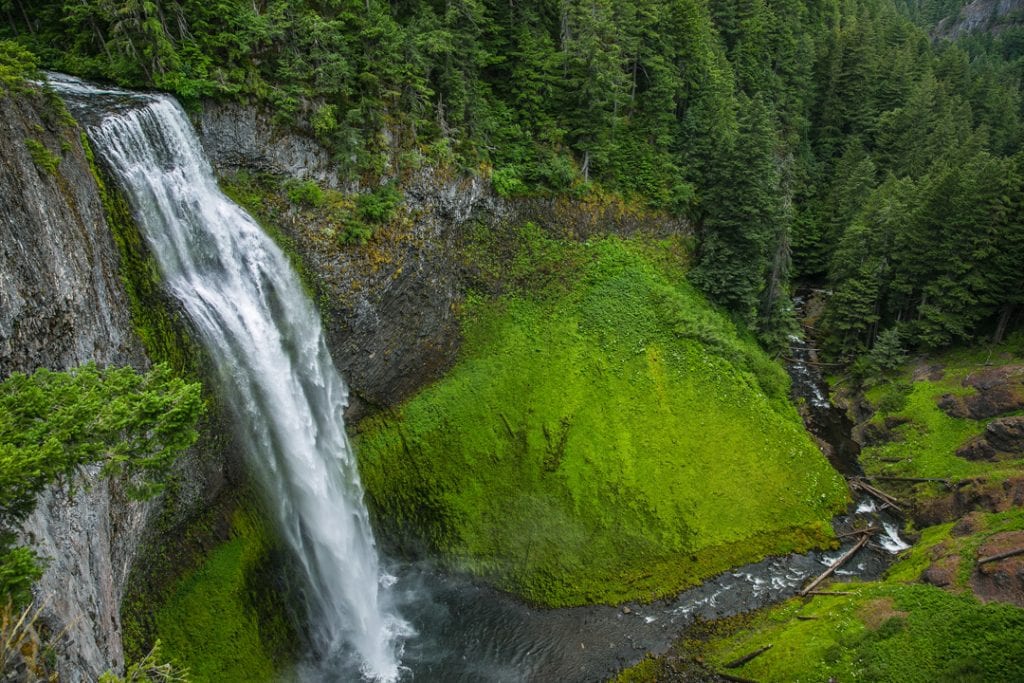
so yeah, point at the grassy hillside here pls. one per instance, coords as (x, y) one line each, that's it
(608, 437)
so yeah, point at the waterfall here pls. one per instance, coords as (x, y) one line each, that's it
(267, 345)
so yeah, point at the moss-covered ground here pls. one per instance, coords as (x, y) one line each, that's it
(926, 438)
(223, 621)
(607, 437)
(896, 629)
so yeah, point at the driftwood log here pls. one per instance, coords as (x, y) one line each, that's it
(736, 663)
(837, 564)
(1001, 556)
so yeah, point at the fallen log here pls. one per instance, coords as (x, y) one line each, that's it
(829, 592)
(865, 530)
(836, 565)
(804, 617)
(1001, 556)
(859, 483)
(912, 480)
(737, 663)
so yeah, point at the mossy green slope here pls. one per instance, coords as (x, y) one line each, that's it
(214, 624)
(609, 438)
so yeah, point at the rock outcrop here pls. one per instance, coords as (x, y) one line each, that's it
(1002, 437)
(62, 304)
(997, 391)
(243, 137)
(390, 307)
(992, 16)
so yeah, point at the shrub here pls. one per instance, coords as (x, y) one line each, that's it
(42, 157)
(305, 192)
(378, 206)
(51, 423)
(16, 65)
(507, 183)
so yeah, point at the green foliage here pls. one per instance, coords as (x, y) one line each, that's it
(597, 440)
(885, 358)
(507, 183)
(378, 206)
(927, 439)
(16, 66)
(306, 192)
(42, 157)
(52, 423)
(833, 141)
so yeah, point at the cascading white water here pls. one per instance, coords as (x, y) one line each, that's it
(268, 347)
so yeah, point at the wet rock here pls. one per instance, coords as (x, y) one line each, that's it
(942, 572)
(1002, 580)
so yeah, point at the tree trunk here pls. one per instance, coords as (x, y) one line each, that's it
(1004, 320)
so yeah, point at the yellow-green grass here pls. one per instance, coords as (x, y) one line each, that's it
(885, 631)
(611, 438)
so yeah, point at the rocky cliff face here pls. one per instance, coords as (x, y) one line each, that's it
(62, 303)
(993, 16)
(391, 306)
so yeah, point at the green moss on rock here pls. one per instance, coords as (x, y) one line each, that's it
(611, 440)
(211, 622)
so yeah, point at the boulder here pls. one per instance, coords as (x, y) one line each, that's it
(942, 572)
(998, 391)
(1006, 434)
(1002, 580)
(977, 448)
(1002, 436)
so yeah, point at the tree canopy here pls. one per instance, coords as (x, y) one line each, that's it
(824, 140)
